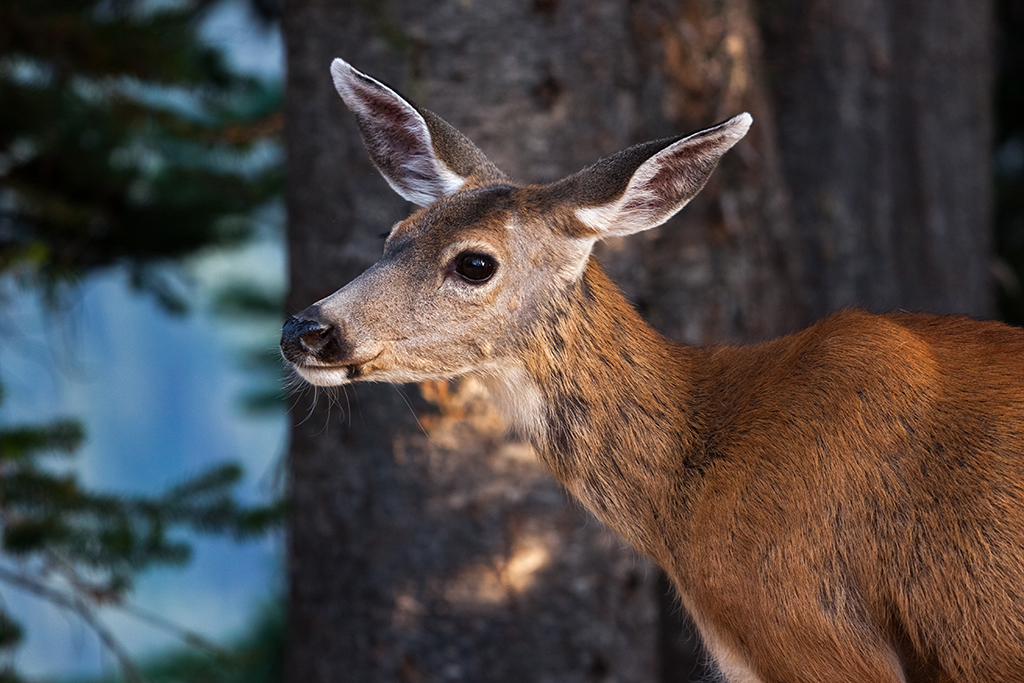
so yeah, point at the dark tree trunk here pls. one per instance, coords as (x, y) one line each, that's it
(425, 545)
(884, 120)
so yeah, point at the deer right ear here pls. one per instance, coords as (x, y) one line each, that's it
(643, 186)
(421, 156)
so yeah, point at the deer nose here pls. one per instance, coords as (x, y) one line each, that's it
(305, 339)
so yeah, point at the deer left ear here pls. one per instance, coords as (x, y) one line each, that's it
(643, 186)
(420, 155)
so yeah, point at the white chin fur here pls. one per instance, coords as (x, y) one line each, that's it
(324, 377)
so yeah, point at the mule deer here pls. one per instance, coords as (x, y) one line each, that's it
(842, 504)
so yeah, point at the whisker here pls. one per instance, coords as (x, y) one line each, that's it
(312, 404)
(348, 404)
(327, 419)
(401, 392)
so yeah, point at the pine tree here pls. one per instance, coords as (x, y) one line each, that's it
(124, 141)
(255, 656)
(80, 549)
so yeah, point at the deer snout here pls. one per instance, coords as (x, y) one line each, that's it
(307, 339)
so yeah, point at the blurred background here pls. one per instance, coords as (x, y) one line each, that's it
(170, 514)
(142, 274)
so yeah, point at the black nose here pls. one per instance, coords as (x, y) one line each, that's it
(305, 339)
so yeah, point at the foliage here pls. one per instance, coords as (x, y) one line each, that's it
(124, 141)
(249, 301)
(256, 657)
(80, 549)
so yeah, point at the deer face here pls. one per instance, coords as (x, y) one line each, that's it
(454, 278)
(462, 281)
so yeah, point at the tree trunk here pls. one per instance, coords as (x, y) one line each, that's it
(884, 116)
(425, 545)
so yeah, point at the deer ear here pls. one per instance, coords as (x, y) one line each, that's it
(643, 186)
(421, 156)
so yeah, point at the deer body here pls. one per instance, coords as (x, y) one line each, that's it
(842, 504)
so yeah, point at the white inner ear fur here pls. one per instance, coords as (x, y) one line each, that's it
(609, 220)
(641, 207)
(425, 178)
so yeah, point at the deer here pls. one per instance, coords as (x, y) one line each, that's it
(845, 503)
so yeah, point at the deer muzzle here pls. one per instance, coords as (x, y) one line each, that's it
(306, 340)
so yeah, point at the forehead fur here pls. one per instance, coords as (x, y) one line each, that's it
(490, 213)
(485, 207)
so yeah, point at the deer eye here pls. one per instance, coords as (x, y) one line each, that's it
(475, 268)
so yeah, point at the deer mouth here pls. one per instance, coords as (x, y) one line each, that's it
(325, 375)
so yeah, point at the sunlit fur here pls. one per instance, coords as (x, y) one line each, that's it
(842, 504)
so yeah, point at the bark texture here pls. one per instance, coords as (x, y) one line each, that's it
(425, 544)
(884, 119)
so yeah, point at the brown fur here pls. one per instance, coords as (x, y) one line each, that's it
(842, 504)
(846, 503)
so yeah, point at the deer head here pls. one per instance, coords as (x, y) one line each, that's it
(465, 276)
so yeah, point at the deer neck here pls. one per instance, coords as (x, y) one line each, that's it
(607, 402)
